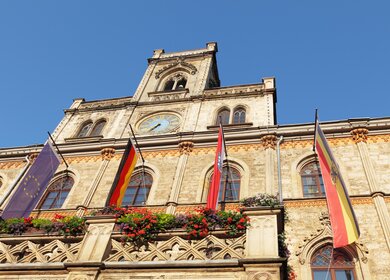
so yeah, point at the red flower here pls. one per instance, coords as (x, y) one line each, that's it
(229, 220)
(242, 220)
(141, 232)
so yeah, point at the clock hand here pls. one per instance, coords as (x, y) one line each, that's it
(154, 127)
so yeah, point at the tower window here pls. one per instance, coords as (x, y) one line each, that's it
(312, 180)
(98, 128)
(223, 116)
(169, 85)
(239, 116)
(84, 129)
(176, 82)
(181, 84)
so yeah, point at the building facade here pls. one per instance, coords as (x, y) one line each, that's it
(175, 113)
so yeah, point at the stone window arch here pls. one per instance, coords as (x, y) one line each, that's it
(139, 187)
(85, 129)
(223, 116)
(98, 128)
(57, 192)
(311, 178)
(177, 81)
(332, 264)
(239, 115)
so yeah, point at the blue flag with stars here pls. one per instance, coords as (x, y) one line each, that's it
(33, 185)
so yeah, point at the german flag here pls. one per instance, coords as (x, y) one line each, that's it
(342, 217)
(123, 175)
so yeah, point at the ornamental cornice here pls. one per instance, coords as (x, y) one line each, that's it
(11, 164)
(269, 141)
(320, 202)
(178, 63)
(186, 147)
(107, 153)
(359, 135)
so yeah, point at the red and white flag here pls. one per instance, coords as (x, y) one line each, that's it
(212, 198)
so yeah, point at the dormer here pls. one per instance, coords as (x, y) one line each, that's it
(179, 75)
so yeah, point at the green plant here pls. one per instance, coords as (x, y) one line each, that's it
(69, 225)
(43, 224)
(260, 199)
(165, 221)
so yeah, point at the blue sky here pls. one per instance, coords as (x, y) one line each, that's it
(330, 55)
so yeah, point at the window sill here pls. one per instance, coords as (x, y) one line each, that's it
(228, 126)
(83, 139)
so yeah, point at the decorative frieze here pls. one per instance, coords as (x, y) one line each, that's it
(269, 141)
(186, 147)
(107, 153)
(359, 135)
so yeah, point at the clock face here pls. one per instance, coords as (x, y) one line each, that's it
(161, 123)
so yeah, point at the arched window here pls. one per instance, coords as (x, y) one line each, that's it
(223, 116)
(169, 85)
(332, 264)
(239, 115)
(57, 192)
(312, 183)
(229, 189)
(98, 128)
(84, 131)
(181, 83)
(138, 190)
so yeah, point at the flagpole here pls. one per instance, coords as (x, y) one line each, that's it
(58, 150)
(142, 157)
(315, 130)
(227, 166)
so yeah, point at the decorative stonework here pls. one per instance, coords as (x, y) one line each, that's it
(186, 147)
(318, 202)
(107, 153)
(11, 164)
(32, 157)
(269, 141)
(179, 63)
(83, 159)
(179, 249)
(30, 252)
(359, 135)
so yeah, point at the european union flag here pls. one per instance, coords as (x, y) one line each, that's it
(33, 185)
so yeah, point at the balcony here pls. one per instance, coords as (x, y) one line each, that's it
(102, 253)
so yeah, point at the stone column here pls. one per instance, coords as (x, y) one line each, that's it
(185, 150)
(107, 155)
(359, 135)
(95, 245)
(269, 144)
(262, 235)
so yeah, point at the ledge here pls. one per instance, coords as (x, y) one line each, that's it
(83, 139)
(173, 264)
(228, 126)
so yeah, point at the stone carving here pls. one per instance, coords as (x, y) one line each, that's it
(30, 252)
(260, 276)
(32, 157)
(177, 248)
(234, 90)
(107, 153)
(269, 141)
(179, 63)
(359, 135)
(323, 235)
(168, 95)
(186, 147)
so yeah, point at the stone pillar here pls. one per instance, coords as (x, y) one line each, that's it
(94, 247)
(262, 235)
(269, 144)
(185, 150)
(107, 155)
(359, 135)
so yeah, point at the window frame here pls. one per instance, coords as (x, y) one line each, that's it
(52, 189)
(93, 128)
(316, 177)
(223, 184)
(332, 267)
(148, 186)
(238, 110)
